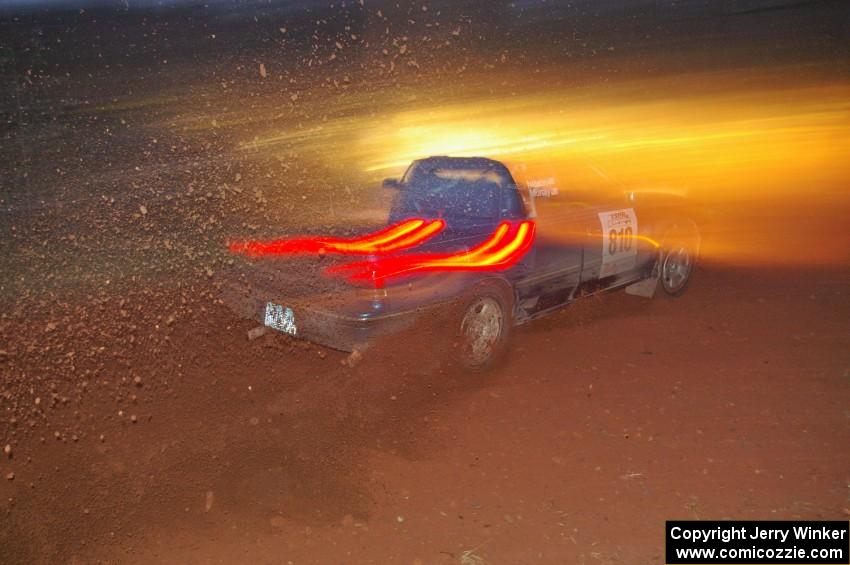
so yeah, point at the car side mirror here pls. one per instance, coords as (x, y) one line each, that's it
(391, 183)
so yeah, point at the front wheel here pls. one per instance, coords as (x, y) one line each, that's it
(483, 326)
(678, 258)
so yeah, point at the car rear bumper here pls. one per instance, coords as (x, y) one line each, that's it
(338, 322)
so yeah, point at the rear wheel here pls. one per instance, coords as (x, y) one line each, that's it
(482, 326)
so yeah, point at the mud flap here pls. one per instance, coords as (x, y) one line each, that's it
(645, 288)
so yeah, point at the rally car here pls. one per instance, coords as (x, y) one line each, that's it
(471, 244)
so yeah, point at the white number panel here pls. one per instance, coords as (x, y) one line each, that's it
(619, 241)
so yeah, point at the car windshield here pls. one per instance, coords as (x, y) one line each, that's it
(451, 191)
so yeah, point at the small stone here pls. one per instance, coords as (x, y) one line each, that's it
(133, 418)
(399, 519)
(143, 209)
(8, 450)
(257, 332)
(10, 476)
(354, 358)
(137, 380)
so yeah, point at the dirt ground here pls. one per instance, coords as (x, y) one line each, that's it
(608, 418)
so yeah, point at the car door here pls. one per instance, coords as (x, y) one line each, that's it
(616, 250)
(555, 262)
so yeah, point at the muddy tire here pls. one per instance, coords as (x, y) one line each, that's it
(481, 324)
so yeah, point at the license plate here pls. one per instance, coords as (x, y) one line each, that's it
(280, 318)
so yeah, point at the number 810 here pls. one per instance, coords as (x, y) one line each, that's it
(619, 241)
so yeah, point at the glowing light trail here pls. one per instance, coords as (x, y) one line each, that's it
(501, 250)
(398, 237)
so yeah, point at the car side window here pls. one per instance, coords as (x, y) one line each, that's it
(512, 204)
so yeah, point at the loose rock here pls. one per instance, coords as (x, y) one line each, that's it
(257, 332)
(354, 358)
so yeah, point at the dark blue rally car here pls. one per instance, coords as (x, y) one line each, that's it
(500, 250)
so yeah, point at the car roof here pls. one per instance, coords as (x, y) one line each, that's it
(459, 162)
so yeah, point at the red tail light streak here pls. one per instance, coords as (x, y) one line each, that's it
(507, 245)
(398, 237)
